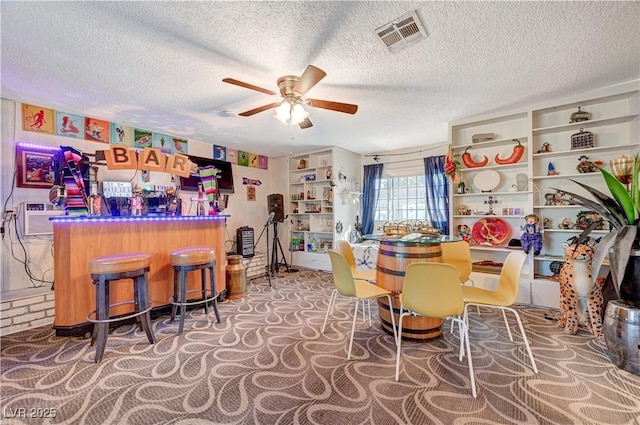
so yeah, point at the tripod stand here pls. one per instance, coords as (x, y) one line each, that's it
(274, 265)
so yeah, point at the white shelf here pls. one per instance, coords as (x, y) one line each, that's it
(491, 193)
(522, 164)
(486, 216)
(590, 151)
(567, 176)
(603, 232)
(585, 124)
(497, 142)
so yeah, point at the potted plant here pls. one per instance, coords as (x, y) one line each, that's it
(622, 245)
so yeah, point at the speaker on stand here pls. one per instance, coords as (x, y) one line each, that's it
(275, 204)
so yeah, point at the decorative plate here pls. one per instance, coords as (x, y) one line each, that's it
(491, 232)
(486, 180)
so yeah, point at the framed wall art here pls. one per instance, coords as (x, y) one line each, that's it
(35, 167)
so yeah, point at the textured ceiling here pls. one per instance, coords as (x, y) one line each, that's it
(159, 65)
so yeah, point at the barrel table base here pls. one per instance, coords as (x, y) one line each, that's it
(393, 259)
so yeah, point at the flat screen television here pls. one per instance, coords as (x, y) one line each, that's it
(225, 177)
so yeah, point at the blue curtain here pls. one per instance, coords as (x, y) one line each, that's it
(437, 188)
(370, 189)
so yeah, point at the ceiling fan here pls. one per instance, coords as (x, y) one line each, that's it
(290, 110)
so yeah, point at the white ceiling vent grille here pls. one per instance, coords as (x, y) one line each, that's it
(401, 32)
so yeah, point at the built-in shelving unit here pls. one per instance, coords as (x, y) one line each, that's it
(318, 183)
(615, 125)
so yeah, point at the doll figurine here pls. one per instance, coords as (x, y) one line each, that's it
(463, 232)
(532, 236)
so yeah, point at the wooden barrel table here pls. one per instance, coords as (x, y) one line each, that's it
(394, 255)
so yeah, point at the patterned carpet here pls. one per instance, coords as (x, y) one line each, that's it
(267, 363)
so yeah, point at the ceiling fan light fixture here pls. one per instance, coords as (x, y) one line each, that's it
(298, 114)
(290, 113)
(283, 112)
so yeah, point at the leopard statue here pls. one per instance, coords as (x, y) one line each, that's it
(580, 299)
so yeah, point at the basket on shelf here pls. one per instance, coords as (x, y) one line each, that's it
(582, 140)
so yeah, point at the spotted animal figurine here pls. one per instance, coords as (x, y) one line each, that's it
(580, 300)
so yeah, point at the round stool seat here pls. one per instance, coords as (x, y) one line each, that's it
(119, 263)
(192, 256)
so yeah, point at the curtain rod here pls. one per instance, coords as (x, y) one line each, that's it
(376, 157)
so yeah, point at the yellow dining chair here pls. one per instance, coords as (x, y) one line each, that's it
(344, 248)
(434, 290)
(458, 254)
(503, 297)
(348, 286)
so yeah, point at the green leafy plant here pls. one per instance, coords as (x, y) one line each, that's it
(622, 211)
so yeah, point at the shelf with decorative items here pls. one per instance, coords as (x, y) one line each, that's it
(563, 140)
(315, 181)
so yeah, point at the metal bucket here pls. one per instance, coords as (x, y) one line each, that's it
(622, 335)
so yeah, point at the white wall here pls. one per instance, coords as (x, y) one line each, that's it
(13, 278)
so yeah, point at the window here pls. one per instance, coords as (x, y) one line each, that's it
(402, 198)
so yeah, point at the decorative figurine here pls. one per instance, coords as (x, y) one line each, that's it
(532, 236)
(546, 223)
(137, 202)
(546, 147)
(551, 170)
(566, 224)
(464, 232)
(586, 166)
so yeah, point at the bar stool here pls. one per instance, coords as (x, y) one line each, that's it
(201, 258)
(103, 271)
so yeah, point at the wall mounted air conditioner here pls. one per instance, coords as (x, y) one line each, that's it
(35, 216)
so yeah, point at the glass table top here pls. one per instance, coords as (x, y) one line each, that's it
(419, 238)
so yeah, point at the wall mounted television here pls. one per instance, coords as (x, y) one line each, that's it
(225, 178)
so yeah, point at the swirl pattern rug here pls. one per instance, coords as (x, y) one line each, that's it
(268, 363)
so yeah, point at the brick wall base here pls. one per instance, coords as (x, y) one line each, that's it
(26, 312)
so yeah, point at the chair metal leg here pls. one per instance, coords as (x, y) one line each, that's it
(399, 342)
(506, 324)
(332, 300)
(524, 338)
(396, 336)
(353, 328)
(464, 340)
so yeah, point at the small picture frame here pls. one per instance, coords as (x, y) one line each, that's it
(516, 211)
(35, 167)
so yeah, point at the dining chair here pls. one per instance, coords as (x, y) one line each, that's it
(503, 297)
(434, 290)
(458, 254)
(348, 286)
(344, 248)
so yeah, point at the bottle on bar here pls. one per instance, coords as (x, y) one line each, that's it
(200, 208)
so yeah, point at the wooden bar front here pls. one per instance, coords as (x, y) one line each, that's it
(79, 239)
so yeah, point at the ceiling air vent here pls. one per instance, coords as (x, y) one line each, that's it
(401, 32)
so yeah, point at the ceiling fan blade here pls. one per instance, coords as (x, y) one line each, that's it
(309, 78)
(305, 124)
(347, 108)
(258, 109)
(247, 86)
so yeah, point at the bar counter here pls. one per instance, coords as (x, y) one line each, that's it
(78, 239)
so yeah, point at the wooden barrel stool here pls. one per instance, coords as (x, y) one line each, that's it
(201, 258)
(103, 271)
